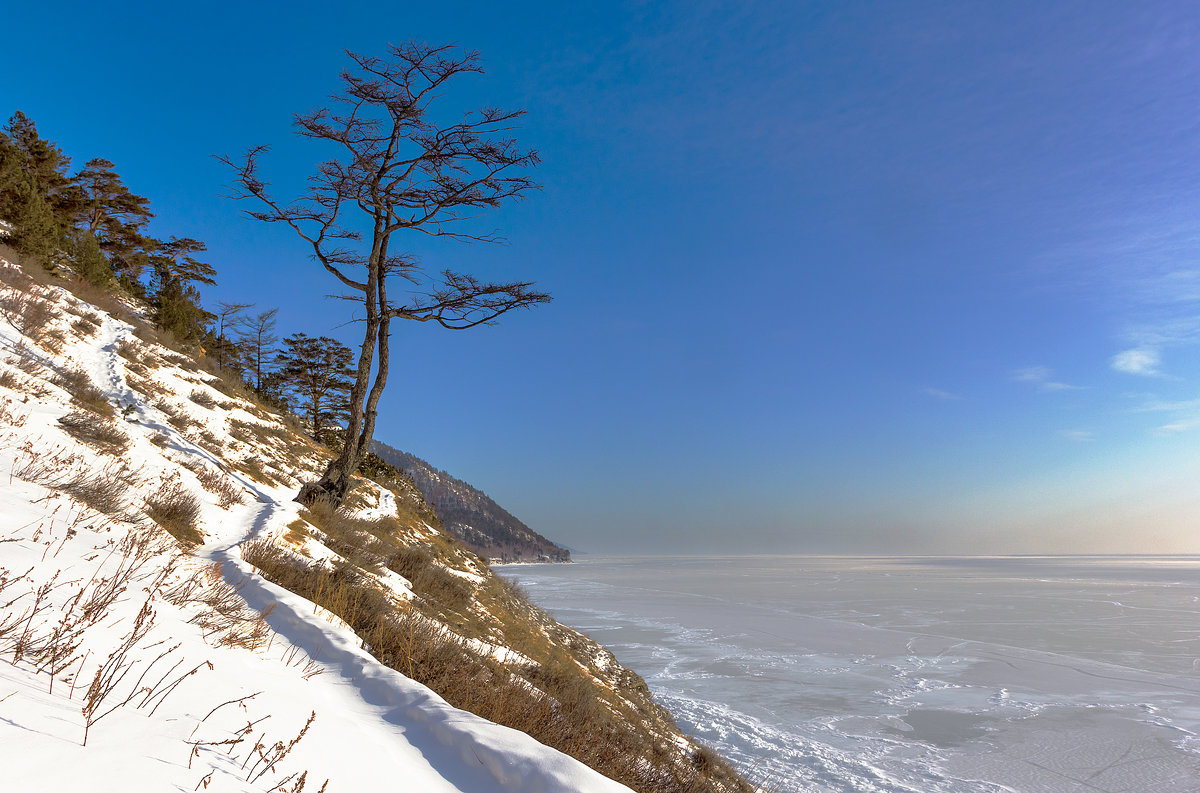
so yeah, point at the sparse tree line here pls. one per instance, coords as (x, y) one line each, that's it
(90, 224)
(394, 169)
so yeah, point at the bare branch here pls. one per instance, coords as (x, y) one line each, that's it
(398, 168)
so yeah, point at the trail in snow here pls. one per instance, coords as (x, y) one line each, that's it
(374, 728)
(442, 748)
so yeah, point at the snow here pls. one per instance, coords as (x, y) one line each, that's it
(188, 695)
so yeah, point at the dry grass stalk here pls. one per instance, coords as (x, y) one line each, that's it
(102, 435)
(9, 415)
(177, 510)
(225, 618)
(219, 483)
(27, 311)
(77, 383)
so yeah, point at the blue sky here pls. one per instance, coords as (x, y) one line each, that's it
(828, 277)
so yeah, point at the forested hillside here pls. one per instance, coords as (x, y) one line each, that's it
(472, 516)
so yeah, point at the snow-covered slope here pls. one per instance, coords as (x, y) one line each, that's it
(188, 671)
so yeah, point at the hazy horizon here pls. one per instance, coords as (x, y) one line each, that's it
(828, 277)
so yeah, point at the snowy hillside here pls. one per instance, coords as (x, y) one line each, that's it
(139, 650)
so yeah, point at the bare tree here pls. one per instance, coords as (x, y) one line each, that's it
(257, 341)
(227, 314)
(397, 170)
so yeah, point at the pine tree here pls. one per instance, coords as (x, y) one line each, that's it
(317, 372)
(105, 207)
(32, 181)
(85, 258)
(40, 160)
(175, 300)
(36, 232)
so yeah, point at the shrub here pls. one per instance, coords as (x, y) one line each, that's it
(106, 490)
(177, 511)
(181, 422)
(220, 484)
(83, 328)
(52, 340)
(253, 467)
(76, 383)
(102, 435)
(28, 312)
(430, 580)
(203, 399)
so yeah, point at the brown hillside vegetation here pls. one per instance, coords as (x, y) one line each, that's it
(419, 600)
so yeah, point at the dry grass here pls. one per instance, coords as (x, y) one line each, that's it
(203, 399)
(106, 491)
(260, 434)
(555, 701)
(27, 311)
(25, 359)
(177, 510)
(219, 483)
(430, 580)
(77, 383)
(103, 435)
(225, 619)
(102, 298)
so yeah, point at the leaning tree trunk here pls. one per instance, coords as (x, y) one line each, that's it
(381, 374)
(334, 485)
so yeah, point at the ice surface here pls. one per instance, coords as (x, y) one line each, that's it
(959, 675)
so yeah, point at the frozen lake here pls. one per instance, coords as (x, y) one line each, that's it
(923, 675)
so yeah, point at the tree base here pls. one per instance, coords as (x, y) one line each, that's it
(330, 492)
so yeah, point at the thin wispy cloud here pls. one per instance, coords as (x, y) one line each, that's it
(1181, 425)
(1043, 378)
(1185, 418)
(1144, 361)
(938, 393)
(1078, 436)
(1032, 374)
(1160, 406)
